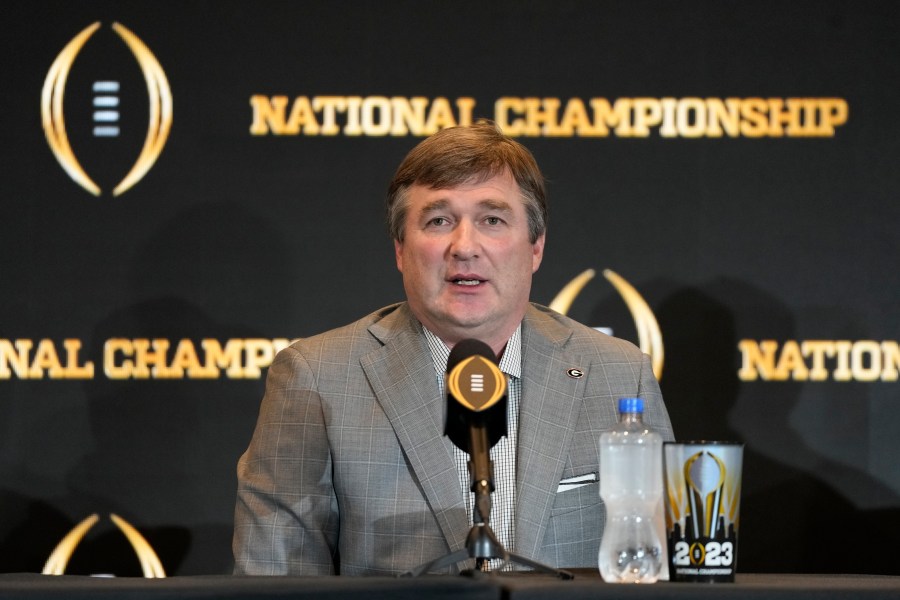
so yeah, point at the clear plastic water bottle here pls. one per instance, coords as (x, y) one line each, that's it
(631, 488)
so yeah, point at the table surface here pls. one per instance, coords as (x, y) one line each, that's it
(586, 584)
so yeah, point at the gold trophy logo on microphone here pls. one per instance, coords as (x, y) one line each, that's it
(477, 383)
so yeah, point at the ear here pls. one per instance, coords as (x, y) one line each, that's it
(537, 250)
(398, 254)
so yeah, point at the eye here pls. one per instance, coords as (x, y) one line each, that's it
(493, 220)
(437, 222)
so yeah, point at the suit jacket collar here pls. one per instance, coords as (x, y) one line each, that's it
(402, 376)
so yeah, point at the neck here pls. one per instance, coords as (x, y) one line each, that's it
(497, 343)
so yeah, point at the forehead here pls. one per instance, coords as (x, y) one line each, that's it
(495, 189)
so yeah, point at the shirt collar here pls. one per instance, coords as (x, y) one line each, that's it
(510, 362)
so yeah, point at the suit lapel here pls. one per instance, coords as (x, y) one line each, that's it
(548, 412)
(403, 378)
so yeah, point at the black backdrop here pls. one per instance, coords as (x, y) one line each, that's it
(731, 240)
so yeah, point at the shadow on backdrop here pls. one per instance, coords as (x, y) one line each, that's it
(163, 452)
(792, 520)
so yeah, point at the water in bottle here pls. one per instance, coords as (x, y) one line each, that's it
(631, 488)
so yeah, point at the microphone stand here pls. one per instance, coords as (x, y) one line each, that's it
(481, 543)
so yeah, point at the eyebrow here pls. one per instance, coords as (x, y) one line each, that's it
(437, 205)
(433, 206)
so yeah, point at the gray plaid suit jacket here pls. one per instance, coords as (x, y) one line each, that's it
(349, 472)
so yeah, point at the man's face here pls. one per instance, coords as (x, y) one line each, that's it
(467, 261)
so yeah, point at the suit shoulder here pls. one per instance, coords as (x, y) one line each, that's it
(352, 339)
(579, 337)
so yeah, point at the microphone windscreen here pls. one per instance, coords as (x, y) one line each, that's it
(476, 394)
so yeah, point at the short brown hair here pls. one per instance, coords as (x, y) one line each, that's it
(464, 154)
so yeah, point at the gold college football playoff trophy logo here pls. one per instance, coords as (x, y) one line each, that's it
(106, 103)
(649, 334)
(59, 558)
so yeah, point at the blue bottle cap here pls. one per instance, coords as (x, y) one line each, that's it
(631, 405)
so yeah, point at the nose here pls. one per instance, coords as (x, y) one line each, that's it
(464, 243)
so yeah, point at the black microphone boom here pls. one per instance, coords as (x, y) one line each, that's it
(474, 421)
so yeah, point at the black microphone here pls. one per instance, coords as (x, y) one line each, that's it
(476, 413)
(475, 420)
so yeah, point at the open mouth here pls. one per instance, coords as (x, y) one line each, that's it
(468, 282)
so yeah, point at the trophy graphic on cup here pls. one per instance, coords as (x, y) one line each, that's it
(702, 509)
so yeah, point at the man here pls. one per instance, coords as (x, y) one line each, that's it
(348, 471)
